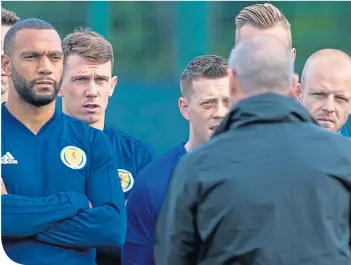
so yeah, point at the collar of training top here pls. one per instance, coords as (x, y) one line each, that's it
(265, 108)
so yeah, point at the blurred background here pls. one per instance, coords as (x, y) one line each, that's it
(154, 41)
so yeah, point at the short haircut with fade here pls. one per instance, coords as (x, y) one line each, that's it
(206, 66)
(261, 16)
(29, 23)
(8, 18)
(88, 44)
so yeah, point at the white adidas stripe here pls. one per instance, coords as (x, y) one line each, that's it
(8, 159)
(10, 156)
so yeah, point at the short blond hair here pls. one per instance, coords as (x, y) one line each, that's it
(261, 16)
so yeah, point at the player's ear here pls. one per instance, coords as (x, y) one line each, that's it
(114, 81)
(233, 86)
(293, 53)
(184, 108)
(298, 91)
(5, 64)
(60, 93)
(294, 87)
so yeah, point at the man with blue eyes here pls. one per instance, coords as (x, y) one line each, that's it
(204, 103)
(325, 88)
(86, 86)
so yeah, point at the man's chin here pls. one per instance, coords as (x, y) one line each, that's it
(329, 127)
(91, 119)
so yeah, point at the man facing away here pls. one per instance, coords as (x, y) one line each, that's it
(271, 187)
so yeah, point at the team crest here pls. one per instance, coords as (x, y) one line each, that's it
(127, 180)
(73, 157)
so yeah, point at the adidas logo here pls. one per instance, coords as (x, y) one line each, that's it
(8, 159)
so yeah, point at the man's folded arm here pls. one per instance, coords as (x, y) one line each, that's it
(26, 216)
(96, 227)
(105, 224)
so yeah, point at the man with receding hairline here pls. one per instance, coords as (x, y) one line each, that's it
(325, 88)
(270, 187)
(60, 197)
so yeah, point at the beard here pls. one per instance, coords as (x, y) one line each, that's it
(26, 91)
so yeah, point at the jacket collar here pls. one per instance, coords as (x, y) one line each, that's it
(265, 108)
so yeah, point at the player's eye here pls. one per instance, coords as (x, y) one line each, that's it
(207, 104)
(29, 57)
(101, 80)
(318, 94)
(56, 57)
(80, 79)
(342, 99)
(226, 102)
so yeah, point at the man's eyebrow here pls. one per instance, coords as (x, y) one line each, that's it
(102, 76)
(32, 52)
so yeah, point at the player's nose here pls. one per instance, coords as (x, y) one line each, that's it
(329, 104)
(220, 111)
(92, 90)
(45, 66)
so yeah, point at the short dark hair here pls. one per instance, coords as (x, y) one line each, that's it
(8, 18)
(29, 23)
(207, 66)
(87, 44)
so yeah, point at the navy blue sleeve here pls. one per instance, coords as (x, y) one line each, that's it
(141, 215)
(104, 225)
(176, 239)
(25, 216)
(137, 255)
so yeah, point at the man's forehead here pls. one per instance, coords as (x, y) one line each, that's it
(211, 87)
(80, 65)
(328, 84)
(330, 89)
(323, 74)
(38, 40)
